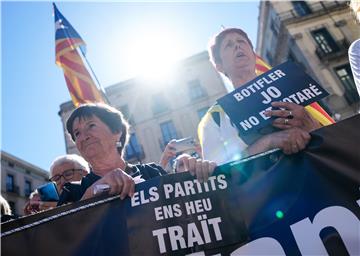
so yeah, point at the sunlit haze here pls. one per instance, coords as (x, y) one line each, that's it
(152, 53)
(123, 40)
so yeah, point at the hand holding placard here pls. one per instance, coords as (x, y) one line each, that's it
(247, 105)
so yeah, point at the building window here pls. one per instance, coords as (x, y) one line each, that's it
(10, 164)
(28, 188)
(273, 28)
(159, 104)
(202, 112)
(301, 8)
(133, 149)
(345, 75)
(168, 131)
(325, 41)
(195, 90)
(10, 186)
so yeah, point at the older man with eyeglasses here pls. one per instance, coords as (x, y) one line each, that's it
(66, 168)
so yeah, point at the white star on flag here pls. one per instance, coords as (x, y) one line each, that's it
(59, 25)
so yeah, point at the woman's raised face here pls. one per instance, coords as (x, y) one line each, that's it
(93, 138)
(236, 55)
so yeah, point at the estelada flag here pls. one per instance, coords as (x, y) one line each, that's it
(314, 109)
(79, 81)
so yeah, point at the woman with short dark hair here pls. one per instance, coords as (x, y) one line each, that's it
(100, 133)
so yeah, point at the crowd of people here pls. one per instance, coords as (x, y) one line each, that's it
(101, 134)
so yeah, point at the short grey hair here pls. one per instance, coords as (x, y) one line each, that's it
(78, 161)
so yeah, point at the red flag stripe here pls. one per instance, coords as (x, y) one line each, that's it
(80, 91)
(84, 89)
(74, 56)
(77, 69)
(68, 44)
(74, 95)
(261, 68)
(74, 66)
(63, 52)
(86, 78)
(318, 108)
(61, 43)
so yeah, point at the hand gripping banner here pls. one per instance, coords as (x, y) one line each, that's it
(270, 204)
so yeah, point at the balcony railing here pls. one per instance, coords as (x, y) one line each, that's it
(342, 48)
(316, 8)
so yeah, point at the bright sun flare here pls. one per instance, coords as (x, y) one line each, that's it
(152, 53)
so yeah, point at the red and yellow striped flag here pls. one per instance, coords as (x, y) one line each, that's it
(314, 108)
(79, 81)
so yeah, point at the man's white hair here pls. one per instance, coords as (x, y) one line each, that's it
(5, 207)
(355, 6)
(76, 160)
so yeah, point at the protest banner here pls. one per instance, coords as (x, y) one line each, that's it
(306, 203)
(246, 105)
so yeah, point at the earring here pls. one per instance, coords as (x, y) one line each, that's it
(118, 144)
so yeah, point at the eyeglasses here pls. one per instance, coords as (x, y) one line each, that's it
(67, 175)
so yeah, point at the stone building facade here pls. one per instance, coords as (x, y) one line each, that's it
(18, 179)
(316, 35)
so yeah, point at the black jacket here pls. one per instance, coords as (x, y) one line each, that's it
(73, 192)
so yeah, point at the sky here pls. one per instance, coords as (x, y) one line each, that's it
(124, 40)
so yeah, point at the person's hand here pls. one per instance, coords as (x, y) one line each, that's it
(202, 169)
(46, 205)
(118, 182)
(292, 115)
(179, 163)
(30, 209)
(35, 205)
(169, 152)
(290, 141)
